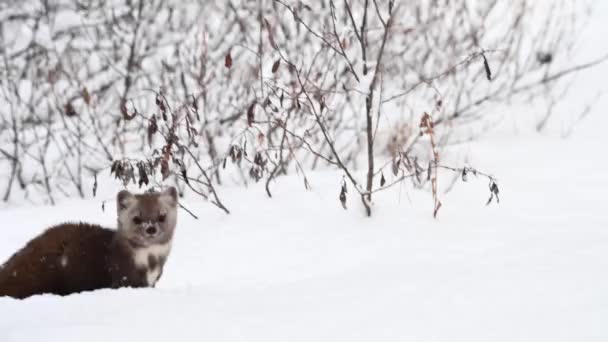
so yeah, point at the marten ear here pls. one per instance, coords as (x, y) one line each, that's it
(123, 199)
(170, 194)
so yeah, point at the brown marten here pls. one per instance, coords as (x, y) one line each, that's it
(76, 257)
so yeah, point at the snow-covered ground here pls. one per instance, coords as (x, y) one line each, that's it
(300, 268)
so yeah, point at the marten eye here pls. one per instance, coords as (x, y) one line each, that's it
(161, 218)
(137, 220)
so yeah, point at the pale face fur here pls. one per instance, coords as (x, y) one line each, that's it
(147, 219)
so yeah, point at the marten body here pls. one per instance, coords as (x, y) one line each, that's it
(71, 258)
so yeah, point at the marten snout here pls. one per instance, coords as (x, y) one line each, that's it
(151, 231)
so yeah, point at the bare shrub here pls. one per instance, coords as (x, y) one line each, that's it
(205, 93)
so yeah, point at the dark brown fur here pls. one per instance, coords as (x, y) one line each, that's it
(70, 258)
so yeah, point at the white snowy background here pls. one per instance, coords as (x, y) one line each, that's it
(298, 267)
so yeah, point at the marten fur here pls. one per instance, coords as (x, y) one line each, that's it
(76, 257)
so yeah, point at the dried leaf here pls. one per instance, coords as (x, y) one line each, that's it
(382, 180)
(426, 123)
(94, 184)
(276, 65)
(251, 114)
(113, 167)
(270, 35)
(344, 43)
(437, 206)
(395, 166)
(124, 111)
(69, 110)
(86, 96)
(185, 176)
(228, 61)
(232, 153)
(164, 168)
(143, 175)
(343, 196)
(194, 104)
(152, 129)
(495, 191)
(486, 65)
(544, 57)
(490, 199)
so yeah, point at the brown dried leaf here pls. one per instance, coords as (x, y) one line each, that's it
(228, 60)
(270, 35)
(95, 185)
(152, 129)
(343, 196)
(86, 96)
(426, 124)
(486, 66)
(251, 114)
(164, 168)
(395, 166)
(185, 176)
(276, 65)
(69, 110)
(437, 206)
(344, 43)
(125, 112)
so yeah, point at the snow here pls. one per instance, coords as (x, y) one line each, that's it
(298, 267)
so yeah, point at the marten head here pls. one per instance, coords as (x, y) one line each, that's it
(147, 219)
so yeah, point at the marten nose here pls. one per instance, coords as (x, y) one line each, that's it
(151, 231)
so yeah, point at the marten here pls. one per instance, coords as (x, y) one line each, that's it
(76, 257)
